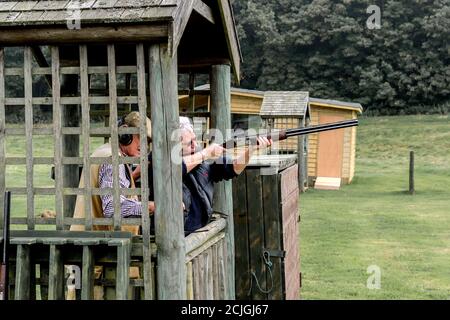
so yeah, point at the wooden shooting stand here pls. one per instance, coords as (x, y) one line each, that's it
(148, 43)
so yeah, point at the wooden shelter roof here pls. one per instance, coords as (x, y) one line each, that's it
(207, 25)
(337, 104)
(34, 13)
(285, 104)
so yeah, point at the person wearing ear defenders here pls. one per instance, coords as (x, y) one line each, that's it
(102, 177)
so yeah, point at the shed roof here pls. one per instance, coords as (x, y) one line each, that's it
(237, 91)
(337, 104)
(285, 103)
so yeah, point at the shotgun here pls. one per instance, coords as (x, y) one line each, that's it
(4, 275)
(284, 134)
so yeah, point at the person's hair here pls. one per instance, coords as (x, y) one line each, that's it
(185, 124)
(133, 120)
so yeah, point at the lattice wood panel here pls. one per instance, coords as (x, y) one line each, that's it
(85, 99)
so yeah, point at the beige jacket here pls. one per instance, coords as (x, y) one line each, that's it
(96, 202)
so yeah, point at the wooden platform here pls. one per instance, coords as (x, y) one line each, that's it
(327, 183)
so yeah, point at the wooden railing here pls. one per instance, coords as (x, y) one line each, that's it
(38, 258)
(206, 268)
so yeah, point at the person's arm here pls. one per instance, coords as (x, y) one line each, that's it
(212, 152)
(136, 174)
(243, 159)
(128, 207)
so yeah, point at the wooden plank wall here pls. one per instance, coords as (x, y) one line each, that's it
(241, 234)
(246, 105)
(266, 222)
(349, 142)
(206, 267)
(290, 231)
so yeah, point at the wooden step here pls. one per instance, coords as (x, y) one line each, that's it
(327, 183)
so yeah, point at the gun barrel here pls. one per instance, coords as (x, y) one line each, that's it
(284, 134)
(5, 256)
(321, 128)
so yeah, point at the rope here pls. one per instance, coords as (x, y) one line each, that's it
(268, 264)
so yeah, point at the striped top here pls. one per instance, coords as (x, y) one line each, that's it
(128, 207)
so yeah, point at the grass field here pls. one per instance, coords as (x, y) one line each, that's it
(374, 221)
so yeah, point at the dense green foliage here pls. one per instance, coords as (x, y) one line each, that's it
(325, 47)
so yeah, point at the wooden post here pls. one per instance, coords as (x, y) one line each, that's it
(169, 219)
(85, 123)
(223, 191)
(28, 87)
(23, 273)
(87, 289)
(112, 80)
(411, 173)
(2, 135)
(70, 143)
(301, 158)
(56, 97)
(56, 274)
(142, 101)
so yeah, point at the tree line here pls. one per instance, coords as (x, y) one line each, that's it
(328, 48)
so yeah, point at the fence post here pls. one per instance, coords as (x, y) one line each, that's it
(411, 173)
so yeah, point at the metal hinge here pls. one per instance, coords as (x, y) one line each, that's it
(275, 253)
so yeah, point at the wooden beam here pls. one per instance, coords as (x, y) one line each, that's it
(70, 143)
(100, 34)
(56, 274)
(112, 81)
(231, 37)
(42, 62)
(123, 267)
(28, 84)
(204, 10)
(142, 102)
(2, 135)
(200, 66)
(223, 191)
(180, 22)
(169, 218)
(23, 273)
(87, 288)
(57, 134)
(86, 125)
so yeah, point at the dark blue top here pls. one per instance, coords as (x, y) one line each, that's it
(198, 190)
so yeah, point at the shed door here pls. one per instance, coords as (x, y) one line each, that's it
(331, 149)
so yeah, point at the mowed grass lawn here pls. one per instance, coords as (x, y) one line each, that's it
(374, 221)
(16, 175)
